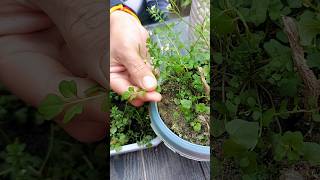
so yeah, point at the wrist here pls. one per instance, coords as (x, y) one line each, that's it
(121, 16)
(125, 9)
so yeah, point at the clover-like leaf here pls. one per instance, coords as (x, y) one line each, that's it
(68, 88)
(51, 106)
(72, 112)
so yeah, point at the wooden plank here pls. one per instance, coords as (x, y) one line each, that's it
(206, 169)
(161, 163)
(127, 166)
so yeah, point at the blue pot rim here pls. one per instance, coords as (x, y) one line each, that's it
(173, 141)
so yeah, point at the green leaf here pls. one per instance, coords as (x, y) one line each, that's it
(289, 145)
(295, 3)
(232, 108)
(131, 89)
(221, 23)
(283, 106)
(258, 11)
(311, 152)
(185, 103)
(289, 86)
(313, 60)
(72, 112)
(244, 162)
(51, 106)
(274, 9)
(68, 88)
(316, 117)
(267, 117)
(309, 27)
(217, 127)
(94, 90)
(251, 101)
(125, 96)
(196, 126)
(202, 108)
(218, 58)
(282, 37)
(243, 132)
(233, 149)
(256, 115)
(275, 49)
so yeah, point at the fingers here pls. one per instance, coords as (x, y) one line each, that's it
(120, 83)
(140, 71)
(23, 22)
(31, 76)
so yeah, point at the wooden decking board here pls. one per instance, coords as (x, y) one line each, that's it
(158, 163)
(205, 169)
(127, 167)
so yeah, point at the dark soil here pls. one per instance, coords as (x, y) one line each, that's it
(179, 125)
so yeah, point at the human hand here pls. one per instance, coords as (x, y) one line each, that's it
(45, 42)
(129, 65)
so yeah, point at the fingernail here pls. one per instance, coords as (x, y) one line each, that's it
(149, 82)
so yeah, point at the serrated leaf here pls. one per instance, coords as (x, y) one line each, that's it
(72, 112)
(68, 88)
(51, 106)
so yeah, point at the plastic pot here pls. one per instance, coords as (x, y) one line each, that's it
(174, 142)
(135, 147)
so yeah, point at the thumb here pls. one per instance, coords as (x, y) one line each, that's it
(140, 72)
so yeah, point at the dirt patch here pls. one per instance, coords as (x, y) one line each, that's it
(174, 119)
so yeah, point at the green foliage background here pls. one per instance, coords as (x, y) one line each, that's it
(33, 148)
(259, 127)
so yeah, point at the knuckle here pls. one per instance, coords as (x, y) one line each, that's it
(82, 18)
(137, 68)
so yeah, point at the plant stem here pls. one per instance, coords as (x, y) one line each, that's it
(85, 99)
(88, 161)
(49, 149)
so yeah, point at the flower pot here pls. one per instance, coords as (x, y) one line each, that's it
(173, 141)
(135, 147)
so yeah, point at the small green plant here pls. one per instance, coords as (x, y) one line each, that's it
(127, 121)
(184, 77)
(70, 102)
